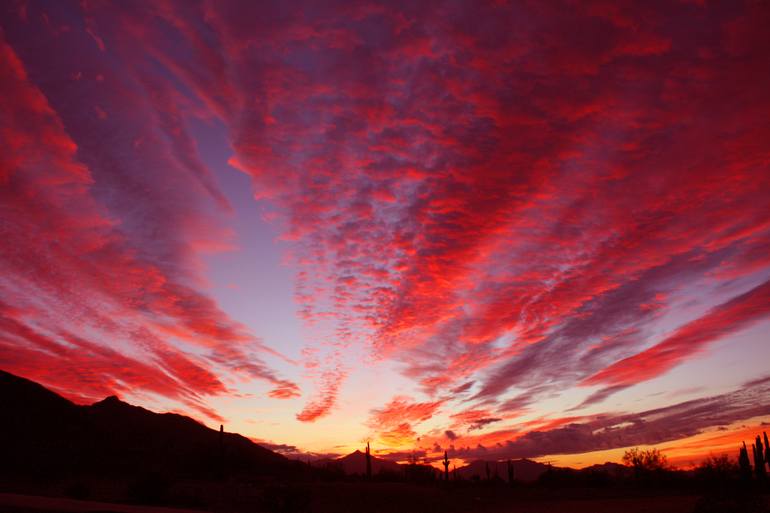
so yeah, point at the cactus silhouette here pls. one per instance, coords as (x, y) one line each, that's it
(744, 463)
(510, 472)
(446, 467)
(767, 450)
(754, 457)
(486, 468)
(221, 462)
(368, 462)
(759, 459)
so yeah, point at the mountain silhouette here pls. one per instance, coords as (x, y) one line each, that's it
(355, 463)
(524, 469)
(610, 468)
(45, 435)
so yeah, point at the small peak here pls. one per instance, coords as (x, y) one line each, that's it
(109, 401)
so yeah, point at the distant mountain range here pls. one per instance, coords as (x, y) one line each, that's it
(523, 470)
(355, 464)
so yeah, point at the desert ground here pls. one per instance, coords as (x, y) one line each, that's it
(380, 497)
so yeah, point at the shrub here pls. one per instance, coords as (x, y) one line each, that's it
(645, 460)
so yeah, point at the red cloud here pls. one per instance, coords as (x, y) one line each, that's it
(573, 435)
(94, 371)
(403, 409)
(70, 266)
(395, 421)
(402, 434)
(474, 419)
(692, 338)
(510, 217)
(326, 396)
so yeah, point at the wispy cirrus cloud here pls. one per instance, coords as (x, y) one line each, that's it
(618, 430)
(729, 317)
(708, 424)
(394, 423)
(87, 250)
(457, 217)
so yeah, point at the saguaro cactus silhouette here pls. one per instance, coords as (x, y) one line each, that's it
(510, 472)
(486, 468)
(767, 450)
(759, 459)
(446, 466)
(744, 463)
(221, 456)
(368, 462)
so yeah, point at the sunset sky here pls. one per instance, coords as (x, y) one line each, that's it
(502, 229)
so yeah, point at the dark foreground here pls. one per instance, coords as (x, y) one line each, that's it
(398, 497)
(56, 456)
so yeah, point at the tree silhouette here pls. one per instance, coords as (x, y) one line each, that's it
(645, 460)
(716, 471)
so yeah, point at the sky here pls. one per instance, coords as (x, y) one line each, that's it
(500, 229)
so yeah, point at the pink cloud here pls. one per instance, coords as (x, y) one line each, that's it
(71, 264)
(690, 339)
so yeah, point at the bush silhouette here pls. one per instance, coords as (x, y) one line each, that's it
(649, 460)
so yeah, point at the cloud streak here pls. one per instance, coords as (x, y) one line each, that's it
(729, 317)
(72, 263)
(612, 431)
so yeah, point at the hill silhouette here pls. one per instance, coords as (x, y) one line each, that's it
(355, 464)
(45, 435)
(524, 470)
